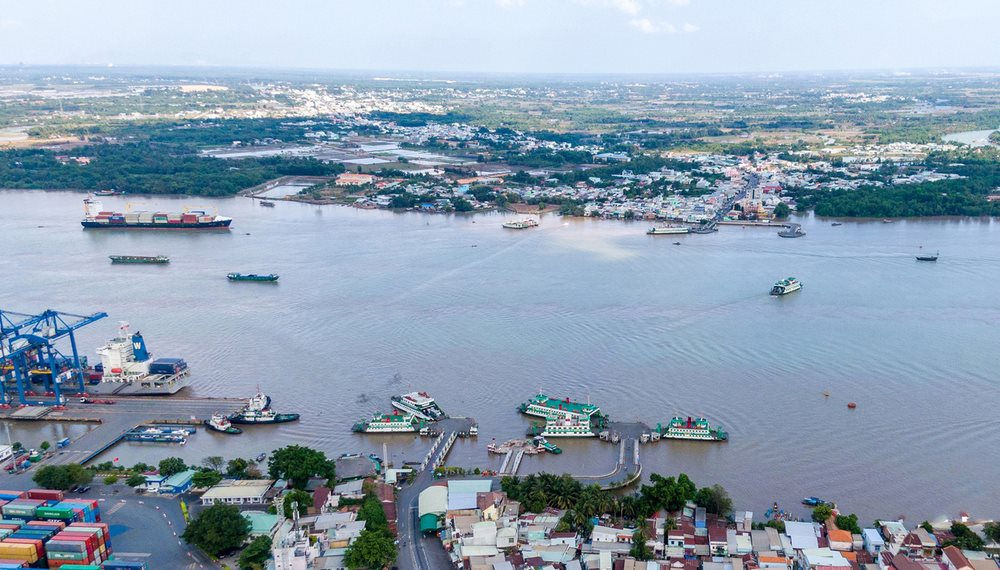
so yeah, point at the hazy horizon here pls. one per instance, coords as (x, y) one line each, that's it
(567, 37)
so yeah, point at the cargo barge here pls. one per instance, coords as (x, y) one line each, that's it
(139, 259)
(95, 217)
(252, 277)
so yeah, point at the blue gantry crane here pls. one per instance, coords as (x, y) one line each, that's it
(28, 348)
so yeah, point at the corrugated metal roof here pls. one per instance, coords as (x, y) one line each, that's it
(433, 500)
(472, 486)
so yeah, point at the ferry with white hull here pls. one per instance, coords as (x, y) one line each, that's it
(520, 224)
(543, 406)
(388, 423)
(668, 230)
(786, 286)
(420, 404)
(692, 428)
(564, 427)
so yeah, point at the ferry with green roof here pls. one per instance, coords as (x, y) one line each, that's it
(692, 428)
(543, 406)
(389, 423)
(562, 427)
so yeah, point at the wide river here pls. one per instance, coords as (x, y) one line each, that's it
(374, 303)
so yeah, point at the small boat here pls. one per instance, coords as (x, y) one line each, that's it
(677, 243)
(887, 221)
(261, 457)
(105, 193)
(252, 277)
(786, 286)
(836, 224)
(220, 423)
(267, 204)
(139, 259)
(852, 405)
(643, 438)
(813, 501)
(928, 257)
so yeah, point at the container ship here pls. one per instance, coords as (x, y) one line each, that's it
(95, 216)
(419, 404)
(126, 368)
(692, 428)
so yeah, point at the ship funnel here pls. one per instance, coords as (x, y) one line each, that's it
(139, 348)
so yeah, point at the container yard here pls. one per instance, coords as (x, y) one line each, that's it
(43, 529)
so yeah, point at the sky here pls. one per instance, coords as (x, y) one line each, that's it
(507, 36)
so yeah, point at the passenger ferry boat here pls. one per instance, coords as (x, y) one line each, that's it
(786, 286)
(126, 368)
(420, 404)
(563, 427)
(521, 224)
(692, 428)
(543, 406)
(667, 230)
(388, 423)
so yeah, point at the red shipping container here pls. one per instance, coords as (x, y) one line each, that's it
(46, 494)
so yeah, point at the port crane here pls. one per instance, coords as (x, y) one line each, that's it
(28, 348)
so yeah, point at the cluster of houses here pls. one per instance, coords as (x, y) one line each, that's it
(483, 529)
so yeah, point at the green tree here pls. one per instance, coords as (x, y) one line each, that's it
(214, 462)
(640, 550)
(45, 446)
(992, 529)
(781, 211)
(135, 479)
(301, 499)
(297, 464)
(849, 523)
(373, 514)
(964, 538)
(237, 468)
(715, 499)
(821, 513)
(255, 555)
(206, 478)
(218, 529)
(171, 466)
(62, 477)
(373, 549)
(110, 479)
(926, 525)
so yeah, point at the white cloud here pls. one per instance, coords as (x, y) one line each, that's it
(630, 7)
(689, 28)
(647, 26)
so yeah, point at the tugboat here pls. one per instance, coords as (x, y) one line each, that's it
(252, 277)
(258, 411)
(220, 423)
(786, 286)
(139, 259)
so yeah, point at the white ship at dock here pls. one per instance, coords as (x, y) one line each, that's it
(127, 368)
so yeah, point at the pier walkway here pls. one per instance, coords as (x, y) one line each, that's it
(111, 421)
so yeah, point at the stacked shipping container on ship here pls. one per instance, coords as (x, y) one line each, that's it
(95, 217)
(41, 528)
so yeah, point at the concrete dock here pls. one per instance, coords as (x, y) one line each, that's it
(111, 421)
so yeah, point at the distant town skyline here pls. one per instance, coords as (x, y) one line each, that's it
(507, 36)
